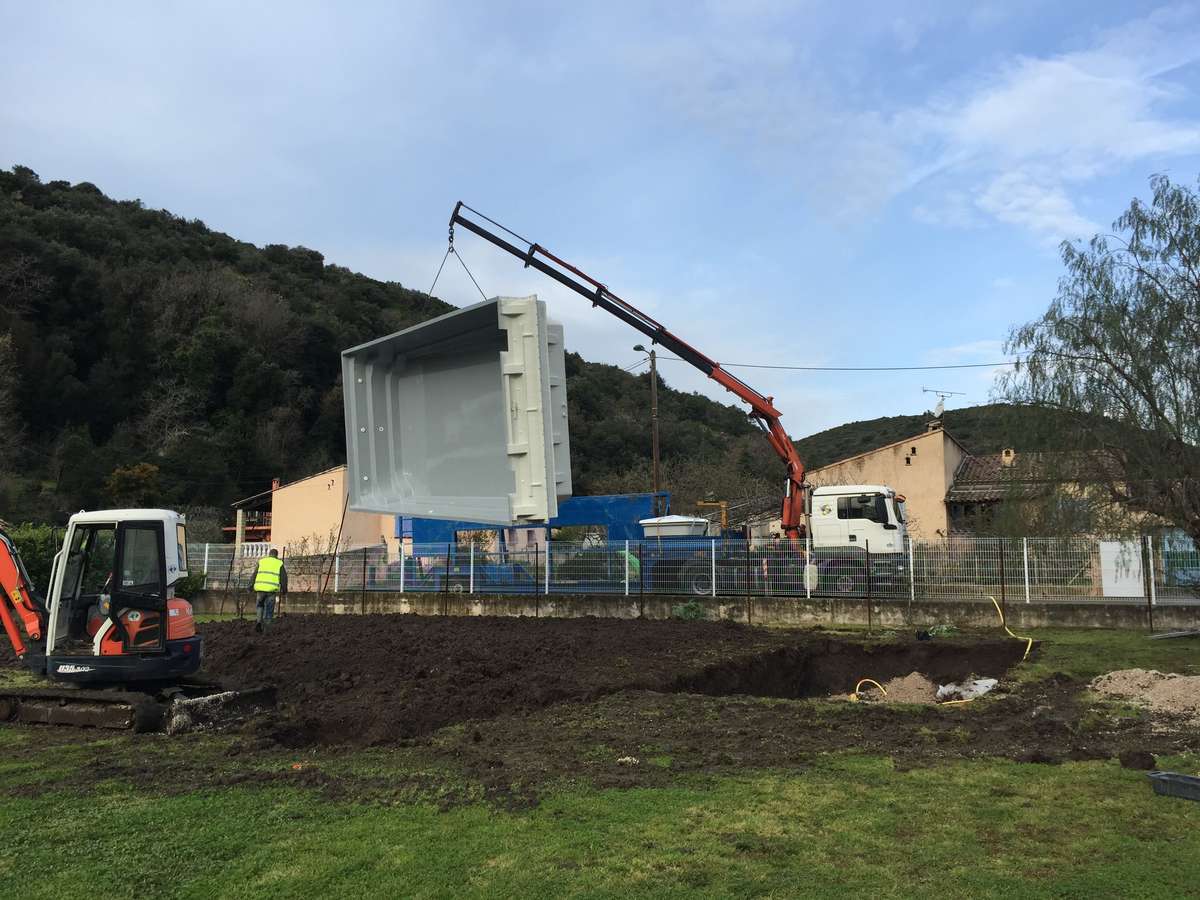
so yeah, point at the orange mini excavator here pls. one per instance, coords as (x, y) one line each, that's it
(110, 635)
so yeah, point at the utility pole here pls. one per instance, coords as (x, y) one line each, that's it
(653, 420)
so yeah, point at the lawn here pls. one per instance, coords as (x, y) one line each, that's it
(840, 823)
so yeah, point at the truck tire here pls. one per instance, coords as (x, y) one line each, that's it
(697, 580)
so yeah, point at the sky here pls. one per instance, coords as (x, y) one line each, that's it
(779, 183)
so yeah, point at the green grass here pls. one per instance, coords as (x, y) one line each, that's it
(849, 825)
(846, 825)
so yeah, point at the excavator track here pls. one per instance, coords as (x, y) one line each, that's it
(120, 710)
(181, 707)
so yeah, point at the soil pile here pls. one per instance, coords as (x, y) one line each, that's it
(383, 679)
(378, 679)
(912, 688)
(1177, 695)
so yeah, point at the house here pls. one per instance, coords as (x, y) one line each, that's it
(921, 467)
(948, 490)
(307, 517)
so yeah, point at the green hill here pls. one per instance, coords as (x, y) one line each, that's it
(147, 359)
(981, 429)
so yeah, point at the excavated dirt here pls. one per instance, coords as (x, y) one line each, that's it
(513, 707)
(1170, 694)
(369, 680)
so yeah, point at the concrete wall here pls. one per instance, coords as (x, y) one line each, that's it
(758, 610)
(305, 516)
(921, 468)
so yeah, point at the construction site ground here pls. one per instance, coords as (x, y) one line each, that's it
(451, 756)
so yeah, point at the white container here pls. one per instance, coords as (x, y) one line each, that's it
(674, 526)
(461, 417)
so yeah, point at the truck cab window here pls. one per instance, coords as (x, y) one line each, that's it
(872, 507)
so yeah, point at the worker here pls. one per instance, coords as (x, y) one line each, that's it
(270, 580)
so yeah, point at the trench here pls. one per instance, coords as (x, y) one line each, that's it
(827, 667)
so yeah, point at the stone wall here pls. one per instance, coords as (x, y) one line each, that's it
(759, 610)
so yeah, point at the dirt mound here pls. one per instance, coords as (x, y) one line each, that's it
(1177, 695)
(912, 688)
(384, 678)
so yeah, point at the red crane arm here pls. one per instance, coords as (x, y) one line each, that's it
(17, 594)
(762, 408)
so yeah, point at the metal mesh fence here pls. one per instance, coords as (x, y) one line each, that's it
(1159, 569)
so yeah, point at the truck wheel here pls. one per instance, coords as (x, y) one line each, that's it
(458, 586)
(697, 581)
(849, 582)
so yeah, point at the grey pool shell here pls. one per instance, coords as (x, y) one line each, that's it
(454, 418)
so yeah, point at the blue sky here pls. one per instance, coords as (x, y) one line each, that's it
(778, 182)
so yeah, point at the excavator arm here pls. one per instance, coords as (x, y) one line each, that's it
(19, 598)
(762, 408)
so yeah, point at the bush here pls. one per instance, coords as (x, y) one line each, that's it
(37, 545)
(692, 611)
(189, 587)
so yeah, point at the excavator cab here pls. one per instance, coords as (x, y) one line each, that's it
(111, 611)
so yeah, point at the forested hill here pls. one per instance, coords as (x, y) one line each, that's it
(981, 429)
(147, 359)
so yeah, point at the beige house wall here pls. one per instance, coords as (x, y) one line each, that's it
(932, 459)
(305, 516)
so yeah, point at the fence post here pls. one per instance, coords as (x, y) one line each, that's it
(714, 568)
(1025, 561)
(1003, 589)
(912, 575)
(402, 555)
(626, 568)
(867, 550)
(807, 562)
(548, 562)
(749, 592)
(205, 562)
(337, 571)
(471, 571)
(641, 583)
(364, 581)
(1150, 557)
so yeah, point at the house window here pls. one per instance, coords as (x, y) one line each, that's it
(914, 451)
(908, 460)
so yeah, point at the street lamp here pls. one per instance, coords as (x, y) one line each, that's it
(653, 419)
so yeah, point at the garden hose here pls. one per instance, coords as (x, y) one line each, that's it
(857, 687)
(1004, 625)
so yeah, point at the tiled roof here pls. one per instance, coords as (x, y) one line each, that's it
(983, 478)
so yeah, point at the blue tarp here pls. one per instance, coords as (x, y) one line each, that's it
(619, 513)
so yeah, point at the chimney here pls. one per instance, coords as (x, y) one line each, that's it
(274, 484)
(1008, 456)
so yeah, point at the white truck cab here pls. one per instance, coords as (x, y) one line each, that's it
(870, 516)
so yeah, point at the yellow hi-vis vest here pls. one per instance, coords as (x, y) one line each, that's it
(266, 579)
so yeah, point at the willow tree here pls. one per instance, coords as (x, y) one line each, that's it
(1116, 358)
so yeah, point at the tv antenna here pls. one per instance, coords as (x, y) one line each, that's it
(941, 395)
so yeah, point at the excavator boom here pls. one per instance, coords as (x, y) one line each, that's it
(18, 598)
(762, 408)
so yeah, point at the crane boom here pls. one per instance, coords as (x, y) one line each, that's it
(762, 408)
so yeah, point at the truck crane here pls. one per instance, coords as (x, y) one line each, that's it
(762, 408)
(110, 636)
(856, 532)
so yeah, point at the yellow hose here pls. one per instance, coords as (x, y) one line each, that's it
(1004, 625)
(857, 687)
(1028, 646)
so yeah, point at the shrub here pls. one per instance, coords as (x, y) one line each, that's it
(692, 611)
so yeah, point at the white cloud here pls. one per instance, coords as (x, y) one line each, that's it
(1007, 143)
(1043, 207)
(1028, 132)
